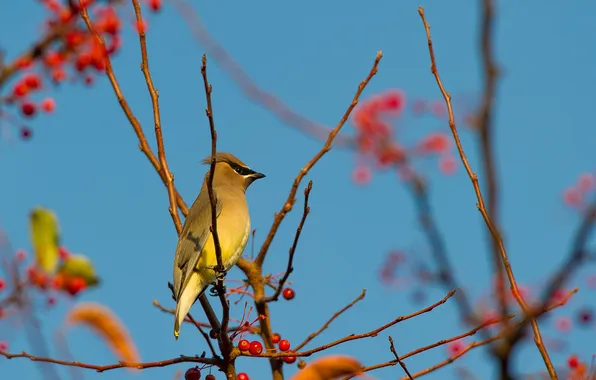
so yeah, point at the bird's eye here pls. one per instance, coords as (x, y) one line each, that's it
(242, 170)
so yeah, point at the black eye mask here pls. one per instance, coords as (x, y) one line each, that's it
(242, 170)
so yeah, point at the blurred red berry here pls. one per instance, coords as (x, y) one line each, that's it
(33, 81)
(275, 338)
(361, 175)
(289, 293)
(28, 109)
(192, 374)
(155, 5)
(52, 59)
(1, 312)
(573, 361)
(48, 105)
(242, 376)
(3, 345)
(88, 80)
(284, 345)
(20, 89)
(390, 155)
(455, 347)
(255, 348)
(563, 324)
(75, 286)
(586, 182)
(448, 164)
(572, 197)
(244, 345)
(2, 284)
(434, 143)
(289, 359)
(82, 62)
(58, 75)
(141, 26)
(393, 101)
(210, 377)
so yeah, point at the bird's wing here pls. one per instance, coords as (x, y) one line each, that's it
(191, 241)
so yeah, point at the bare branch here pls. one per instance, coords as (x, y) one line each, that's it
(493, 229)
(403, 366)
(290, 267)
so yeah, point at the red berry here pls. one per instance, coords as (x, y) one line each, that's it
(255, 348)
(48, 104)
(289, 359)
(192, 374)
(289, 293)
(573, 361)
(155, 5)
(28, 109)
(244, 345)
(33, 81)
(210, 377)
(3, 346)
(275, 338)
(21, 255)
(2, 284)
(75, 286)
(284, 345)
(20, 89)
(242, 376)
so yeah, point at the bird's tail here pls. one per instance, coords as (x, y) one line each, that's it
(188, 297)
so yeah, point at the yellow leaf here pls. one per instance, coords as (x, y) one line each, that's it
(330, 368)
(105, 323)
(45, 238)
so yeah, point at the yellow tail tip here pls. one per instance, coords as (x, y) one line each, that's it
(176, 334)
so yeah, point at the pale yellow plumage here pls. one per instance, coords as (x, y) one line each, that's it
(195, 257)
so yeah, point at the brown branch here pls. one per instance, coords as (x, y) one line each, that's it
(290, 267)
(352, 337)
(304, 171)
(225, 343)
(122, 364)
(134, 122)
(493, 229)
(161, 152)
(403, 366)
(328, 323)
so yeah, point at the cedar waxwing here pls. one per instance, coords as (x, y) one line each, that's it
(195, 258)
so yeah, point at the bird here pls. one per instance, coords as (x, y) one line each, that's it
(195, 259)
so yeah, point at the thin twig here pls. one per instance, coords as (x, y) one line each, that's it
(161, 152)
(290, 267)
(220, 270)
(494, 232)
(289, 203)
(313, 335)
(122, 364)
(403, 366)
(134, 122)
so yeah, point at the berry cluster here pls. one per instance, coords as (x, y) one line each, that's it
(575, 196)
(376, 143)
(66, 51)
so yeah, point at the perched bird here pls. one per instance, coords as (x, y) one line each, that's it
(195, 258)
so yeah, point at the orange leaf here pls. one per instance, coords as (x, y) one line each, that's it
(329, 368)
(105, 323)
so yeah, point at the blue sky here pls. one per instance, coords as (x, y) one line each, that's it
(84, 163)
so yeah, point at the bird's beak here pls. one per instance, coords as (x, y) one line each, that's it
(258, 175)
